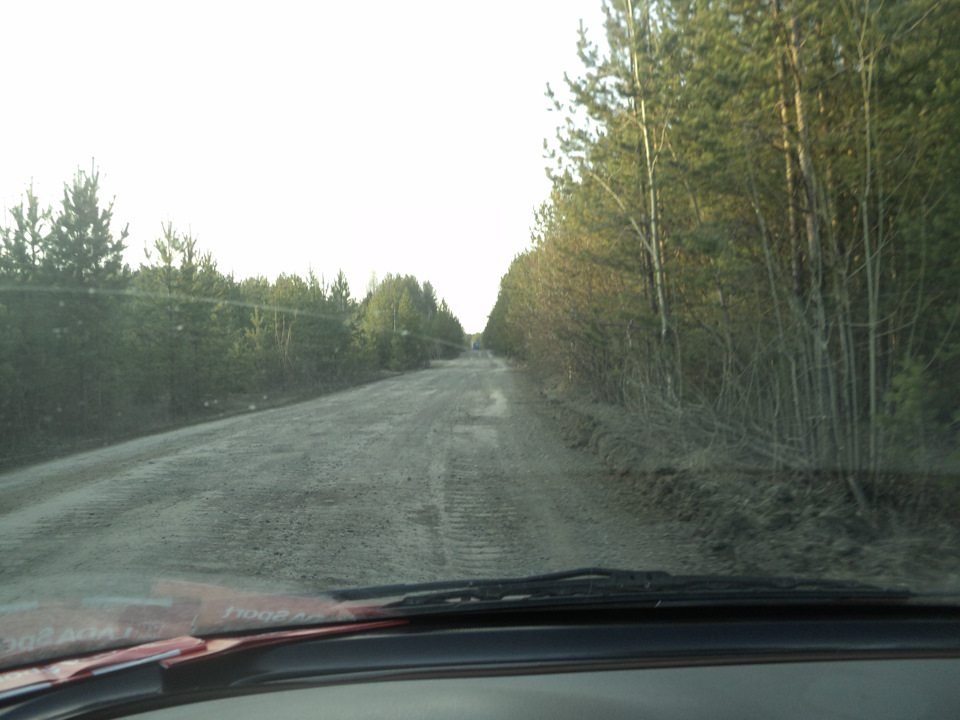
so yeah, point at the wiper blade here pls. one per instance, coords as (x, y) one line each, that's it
(607, 584)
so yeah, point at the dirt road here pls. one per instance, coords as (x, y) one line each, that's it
(444, 473)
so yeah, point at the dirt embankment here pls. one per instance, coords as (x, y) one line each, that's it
(756, 520)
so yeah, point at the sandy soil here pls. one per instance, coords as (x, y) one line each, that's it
(450, 472)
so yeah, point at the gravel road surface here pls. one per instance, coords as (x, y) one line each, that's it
(445, 473)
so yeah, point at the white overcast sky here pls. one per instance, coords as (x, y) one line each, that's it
(379, 136)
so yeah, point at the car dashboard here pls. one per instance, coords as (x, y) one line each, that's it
(771, 662)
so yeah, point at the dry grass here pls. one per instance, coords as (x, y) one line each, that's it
(755, 519)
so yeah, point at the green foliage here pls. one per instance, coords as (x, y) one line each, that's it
(181, 341)
(403, 327)
(502, 333)
(62, 272)
(82, 251)
(918, 435)
(806, 183)
(90, 349)
(446, 333)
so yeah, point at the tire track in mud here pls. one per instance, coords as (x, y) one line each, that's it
(480, 528)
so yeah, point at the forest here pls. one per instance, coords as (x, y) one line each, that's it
(752, 232)
(92, 350)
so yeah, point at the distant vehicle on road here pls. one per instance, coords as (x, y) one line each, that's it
(476, 344)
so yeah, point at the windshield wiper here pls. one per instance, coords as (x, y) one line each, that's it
(606, 584)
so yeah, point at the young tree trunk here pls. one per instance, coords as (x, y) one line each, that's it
(796, 257)
(871, 249)
(821, 382)
(650, 161)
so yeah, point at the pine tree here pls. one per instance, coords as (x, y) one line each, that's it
(85, 265)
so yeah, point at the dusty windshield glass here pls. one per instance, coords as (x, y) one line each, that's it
(288, 303)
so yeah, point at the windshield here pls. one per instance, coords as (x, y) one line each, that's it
(297, 300)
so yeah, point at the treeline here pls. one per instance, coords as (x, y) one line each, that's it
(92, 349)
(753, 225)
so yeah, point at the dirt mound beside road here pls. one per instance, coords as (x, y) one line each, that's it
(758, 521)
